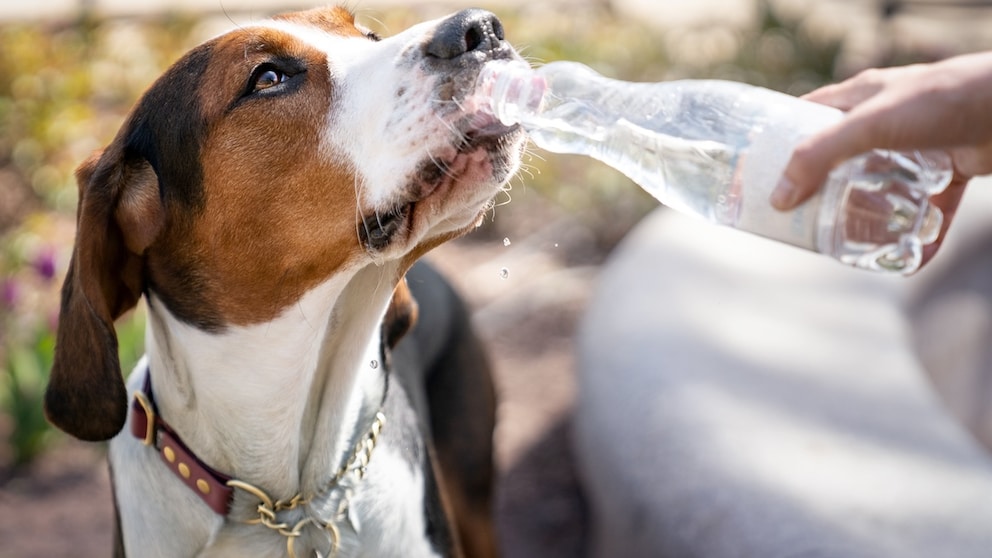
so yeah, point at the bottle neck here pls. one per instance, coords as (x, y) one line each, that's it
(512, 90)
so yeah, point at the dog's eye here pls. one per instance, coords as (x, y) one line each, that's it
(265, 77)
(272, 78)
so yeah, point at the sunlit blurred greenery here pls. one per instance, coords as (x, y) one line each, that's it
(65, 88)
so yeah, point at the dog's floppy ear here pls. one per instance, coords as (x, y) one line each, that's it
(120, 213)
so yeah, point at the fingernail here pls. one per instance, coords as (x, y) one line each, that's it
(785, 194)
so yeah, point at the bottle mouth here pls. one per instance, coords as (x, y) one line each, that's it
(509, 88)
(886, 217)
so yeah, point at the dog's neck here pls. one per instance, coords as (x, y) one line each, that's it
(276, 404)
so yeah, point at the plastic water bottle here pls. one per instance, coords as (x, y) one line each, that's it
(717, 149)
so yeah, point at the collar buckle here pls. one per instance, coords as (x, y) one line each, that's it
(204, 481)
(143, 419)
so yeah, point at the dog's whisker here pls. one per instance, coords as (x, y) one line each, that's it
(367, 14)
(533, 154)
(441, 165)
(449, 125)
(526, 169)
(530, 59)
(496, 204)
(461, 140)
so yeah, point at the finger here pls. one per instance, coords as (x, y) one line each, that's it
(973, 160)
(814, 158)
(850, 93)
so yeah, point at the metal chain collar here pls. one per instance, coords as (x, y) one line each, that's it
(269, 509)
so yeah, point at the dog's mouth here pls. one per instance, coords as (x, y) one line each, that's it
(484, 142)
(482, 156)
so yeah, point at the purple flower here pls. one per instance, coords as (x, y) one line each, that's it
(44, 263)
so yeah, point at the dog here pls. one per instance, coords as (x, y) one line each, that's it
(267, 197)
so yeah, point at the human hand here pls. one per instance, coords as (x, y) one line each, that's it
(945, 105)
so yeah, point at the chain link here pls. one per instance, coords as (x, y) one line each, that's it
(268, 510)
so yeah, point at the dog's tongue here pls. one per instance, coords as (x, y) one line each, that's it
(509, 90)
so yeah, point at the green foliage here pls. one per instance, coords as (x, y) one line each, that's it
(64, 89)
(131, 339)
(21, 390)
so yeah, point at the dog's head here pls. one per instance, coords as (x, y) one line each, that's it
(260, 164)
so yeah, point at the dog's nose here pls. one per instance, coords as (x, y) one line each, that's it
(467, 31)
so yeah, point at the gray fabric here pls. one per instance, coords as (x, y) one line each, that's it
(740, 398)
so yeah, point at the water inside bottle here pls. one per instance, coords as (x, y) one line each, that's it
(657, 144)
(716, 150)
(691, 176)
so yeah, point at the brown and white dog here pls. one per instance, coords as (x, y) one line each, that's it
(267, 195)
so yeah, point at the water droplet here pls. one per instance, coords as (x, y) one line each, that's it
(374, 364)
(506, 242)
(504, 273)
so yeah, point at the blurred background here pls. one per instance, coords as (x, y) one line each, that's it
(71, 69)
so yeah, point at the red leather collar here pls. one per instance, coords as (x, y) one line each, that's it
(146, 425)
